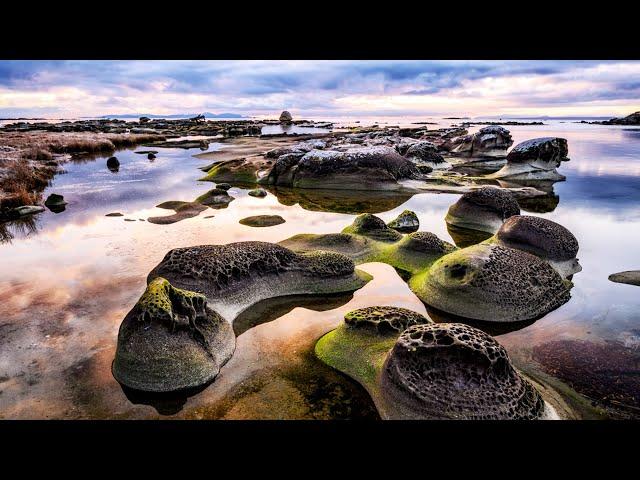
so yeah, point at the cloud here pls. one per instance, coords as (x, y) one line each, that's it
(317, 88)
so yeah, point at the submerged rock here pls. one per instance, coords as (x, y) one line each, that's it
(631, 277)
(535, 159)
(183, 210)
(492, 141)
(492, 283)
(373, 227)
(406, 222)
(484, 209)
(545, 239)
(171, 340)
(454, 371)
(262, 221)
(355, 168)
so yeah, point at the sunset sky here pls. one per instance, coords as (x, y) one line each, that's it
(67, 89)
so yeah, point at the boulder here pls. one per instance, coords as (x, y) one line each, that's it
(543, 238)
(454, 371)
(383, 319)
(492, 283)
(484, 209)
(406, 222)
(357, 168)
(492, 141)
(285, 117)
(171, 340)
(535, 159)
(425, 154)
(113, 164)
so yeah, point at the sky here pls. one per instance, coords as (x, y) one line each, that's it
(316, 89)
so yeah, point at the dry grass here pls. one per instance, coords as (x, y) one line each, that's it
(24, 172)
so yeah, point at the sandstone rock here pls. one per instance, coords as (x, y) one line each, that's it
(484, 209)
(285, 117)
(535, 159)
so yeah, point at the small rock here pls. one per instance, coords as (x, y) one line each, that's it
(114, 214)
(262, 221)
(223, 186)
(113, 164)
(285, 117)
(406, 222)
(258, 192)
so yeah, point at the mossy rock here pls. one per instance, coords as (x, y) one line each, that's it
(171, 340)
(262, 221)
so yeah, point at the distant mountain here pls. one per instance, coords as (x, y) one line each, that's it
(176, 115)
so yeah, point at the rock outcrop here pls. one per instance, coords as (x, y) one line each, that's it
(425, 154)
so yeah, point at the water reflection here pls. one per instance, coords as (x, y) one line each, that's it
(67, 281)
(340, 201)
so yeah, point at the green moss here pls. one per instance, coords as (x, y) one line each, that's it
(223, 172)
(159, 298)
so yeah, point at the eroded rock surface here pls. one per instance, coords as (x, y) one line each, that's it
(171, 340)
(544, 238)
(492, 283)
(454, 371)
(484, 209)
(384, 319)
(492, 141)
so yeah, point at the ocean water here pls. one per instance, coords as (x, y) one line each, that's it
(68, 279)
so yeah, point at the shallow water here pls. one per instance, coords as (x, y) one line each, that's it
(68, 279)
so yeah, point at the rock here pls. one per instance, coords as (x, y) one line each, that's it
(358, 168)
(215, 198)
(113, 164)
(55, 203)
(223, 186)
(144, 120)
(535, 159)
(235, 276)
(384, 319)
(426, 242)
(406, 222)
(492, 141)
(114, 214)
(262, 221)
(543, 238)
(454, 371)
(183, 210)
(631, 277)
(151, 156)
(258, 192)
(633, 119)
(368, 225)
(492, 283)
(146, 152)
(285, 117)
(484, 209)
(171, 340)
(425, 154)
(25, 210)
